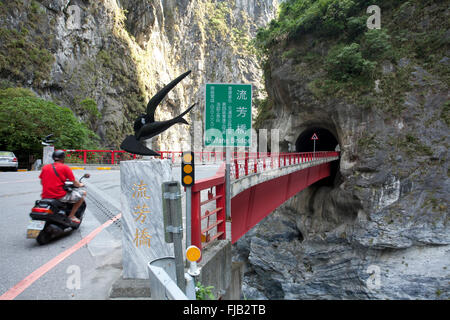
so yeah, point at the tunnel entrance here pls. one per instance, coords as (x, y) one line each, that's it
(326, 142)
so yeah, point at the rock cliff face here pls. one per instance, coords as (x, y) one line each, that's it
(380, 227)
(120, 53)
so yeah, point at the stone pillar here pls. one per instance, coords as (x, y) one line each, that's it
(47, 155)
(142, 216)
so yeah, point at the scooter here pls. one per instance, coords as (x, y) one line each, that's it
(50, 217)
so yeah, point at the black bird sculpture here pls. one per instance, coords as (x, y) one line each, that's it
(46, 141)
(145, 127)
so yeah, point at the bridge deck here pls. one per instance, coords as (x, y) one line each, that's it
(259, 186)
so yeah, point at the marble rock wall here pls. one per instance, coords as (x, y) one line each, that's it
(142, 216)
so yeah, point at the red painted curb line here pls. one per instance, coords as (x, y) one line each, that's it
(35, 275)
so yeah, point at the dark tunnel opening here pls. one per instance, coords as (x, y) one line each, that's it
(326, 141)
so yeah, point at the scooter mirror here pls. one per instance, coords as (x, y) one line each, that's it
(86, 175)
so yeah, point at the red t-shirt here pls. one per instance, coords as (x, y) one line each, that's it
(52, 186)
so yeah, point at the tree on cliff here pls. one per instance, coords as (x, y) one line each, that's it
(25, 119)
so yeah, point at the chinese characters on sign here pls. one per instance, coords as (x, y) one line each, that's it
(142, 222)
(139, 190)
(228, 106)
(141, 237)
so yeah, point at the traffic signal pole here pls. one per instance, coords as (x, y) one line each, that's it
(188, 216)
(188, 180)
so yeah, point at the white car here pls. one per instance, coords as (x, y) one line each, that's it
(8, 160)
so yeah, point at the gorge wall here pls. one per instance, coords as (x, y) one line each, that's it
(120, 53)
(380, 227)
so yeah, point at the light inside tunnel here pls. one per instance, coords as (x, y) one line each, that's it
(326, 140)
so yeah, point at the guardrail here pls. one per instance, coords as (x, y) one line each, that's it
(110, 157)
(246, 161)
(216, 230)
(113, 157)
(241, 166)
(252, 163)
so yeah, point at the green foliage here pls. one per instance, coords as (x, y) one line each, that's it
(377, 45)
(219, 16)
(204, 293)
(221, 27)
(412, 146)
(322, 17)
(345, 61)
(393, 87)
(22, 59)
(264, 107)
(445, 113)
(25, 119)
(334, 19)
(88, 111)
(10, 93)
(24, 54)
(90, 106)
(290, 54)
(356, 26)
(368, 142)
(429, 43)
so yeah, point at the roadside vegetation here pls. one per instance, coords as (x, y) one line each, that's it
(331, 37)
(25, 119)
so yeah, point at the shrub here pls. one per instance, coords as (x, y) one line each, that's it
(376, 44)
(346, 62)
(90, 106)
(25, 119)
(204, 293)
(356, 26)
(445, 113)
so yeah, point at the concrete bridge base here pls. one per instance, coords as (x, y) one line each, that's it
(218, 270)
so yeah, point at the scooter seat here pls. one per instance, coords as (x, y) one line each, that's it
(51, 202)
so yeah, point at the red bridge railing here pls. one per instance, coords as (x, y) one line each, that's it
(110, 157)
(211, 224)
(113, 157)
(258, 162)
(244, 162)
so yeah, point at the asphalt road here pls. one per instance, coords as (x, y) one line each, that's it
(95, 265)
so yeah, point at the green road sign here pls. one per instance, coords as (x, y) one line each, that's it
(228, 106)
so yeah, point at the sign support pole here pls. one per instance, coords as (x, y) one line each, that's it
(314, 149)
(314, 138)
(228, 182)
(174, 226)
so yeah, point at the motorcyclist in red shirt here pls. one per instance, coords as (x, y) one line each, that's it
(53, 177)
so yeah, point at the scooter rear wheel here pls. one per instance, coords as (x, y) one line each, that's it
(44, 237)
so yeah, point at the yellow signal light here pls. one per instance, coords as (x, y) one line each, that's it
(187, 157)
(187, 168)
(187, 180)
